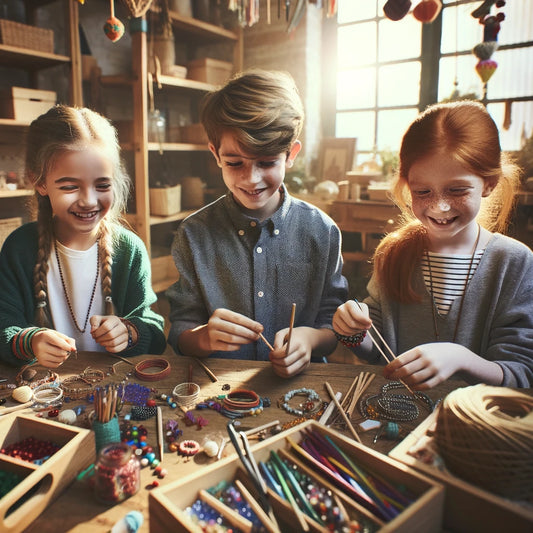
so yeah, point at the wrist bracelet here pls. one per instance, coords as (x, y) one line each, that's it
(163, 364)
(130, 327)
(351, 341)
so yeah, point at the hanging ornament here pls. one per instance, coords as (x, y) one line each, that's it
(113, 28)
(427, 10)
(486, 68)
(485, 50)
(396, 9)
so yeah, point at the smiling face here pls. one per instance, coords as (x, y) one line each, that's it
(254, 181)
(78, 185)
(446, 198)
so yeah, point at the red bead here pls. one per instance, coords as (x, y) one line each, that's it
(150, 403)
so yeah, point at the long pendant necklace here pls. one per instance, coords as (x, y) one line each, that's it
(72, 315)
(434, 305)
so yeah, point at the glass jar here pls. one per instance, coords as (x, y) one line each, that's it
(117, 473)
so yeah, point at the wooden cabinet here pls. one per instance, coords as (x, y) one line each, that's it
(31, 62)
(170, 156)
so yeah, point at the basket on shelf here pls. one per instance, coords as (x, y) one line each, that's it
(26, 36)
(7, 225)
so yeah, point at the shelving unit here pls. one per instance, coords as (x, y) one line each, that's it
(13, 131)
(192, 33)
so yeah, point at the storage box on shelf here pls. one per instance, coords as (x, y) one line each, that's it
(467, 508)
(165, 201)
(40, 483)
(26, 36)
(167, 504)
(25, 104)
(209, 70)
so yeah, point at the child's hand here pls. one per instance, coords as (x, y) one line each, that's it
(227, 331)
(299, 356)
(110, 332)
(52, 348)
(349, 318)
(428, 365)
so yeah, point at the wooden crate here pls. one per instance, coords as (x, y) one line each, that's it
(25, 104)
(467, 508)
(25, 36)
(209, 70)
(166, 504)
(7, 225)
(165, 201)
(41, 483)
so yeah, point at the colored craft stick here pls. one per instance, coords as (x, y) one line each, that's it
(271, 482)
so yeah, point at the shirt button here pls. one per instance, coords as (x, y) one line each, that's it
(253, 224)
(259, 249)
(241, 232)
(276, 232)
(260, 294)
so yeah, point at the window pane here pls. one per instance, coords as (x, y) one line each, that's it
(460, 31)
(521, 123)
(399, 84)
(357, 45)
(408, 33)
(512, 77)
(391, 127)
(356, 89)
(350, 11)
(468, 82)
(357, 124)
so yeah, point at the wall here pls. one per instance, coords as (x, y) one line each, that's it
(270, 46)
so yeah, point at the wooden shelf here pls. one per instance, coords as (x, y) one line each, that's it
(23, 58)
(4, 193)
(356, 256)
(198, 29)
(177, 147)
(154, 220)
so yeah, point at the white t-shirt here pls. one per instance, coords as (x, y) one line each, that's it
(79, 273)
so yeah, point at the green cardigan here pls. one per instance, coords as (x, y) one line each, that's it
(131, 290)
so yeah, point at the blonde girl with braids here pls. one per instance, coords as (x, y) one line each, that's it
(450, 293)
(75, 279)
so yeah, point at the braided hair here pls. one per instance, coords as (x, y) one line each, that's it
(60, 130)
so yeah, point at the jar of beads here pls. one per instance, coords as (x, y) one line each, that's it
(117, 473)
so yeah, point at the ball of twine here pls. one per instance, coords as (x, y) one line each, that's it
(484, 435)
(186, 394)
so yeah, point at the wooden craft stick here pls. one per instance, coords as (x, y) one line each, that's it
(234, 518)
(212, 376)
(343, 414)
(262, 337)
(256, 508)
(260, 428)
(15, 408)
(291, 326)
(159, 416)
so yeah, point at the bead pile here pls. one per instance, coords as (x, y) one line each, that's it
(31, 449)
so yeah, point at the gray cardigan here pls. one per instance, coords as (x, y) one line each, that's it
(497, 317)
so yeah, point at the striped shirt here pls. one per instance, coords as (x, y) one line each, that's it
(446, 276)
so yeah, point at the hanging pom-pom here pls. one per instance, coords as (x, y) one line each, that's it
(427, 10)
(114, 29)
(396, 9)
(486, 69)
(485, 50)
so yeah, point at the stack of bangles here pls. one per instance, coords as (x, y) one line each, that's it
(241, 403)
(351, 341)
(21, 344)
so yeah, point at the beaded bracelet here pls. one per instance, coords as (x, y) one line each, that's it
(47, 394)
(49, 377)
(73, 392)
(130, 326)
(351, 341)
(310, 406)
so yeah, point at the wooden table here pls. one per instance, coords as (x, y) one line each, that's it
(77, 510)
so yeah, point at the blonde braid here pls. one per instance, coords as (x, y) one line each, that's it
(106, 260)
(41, 266)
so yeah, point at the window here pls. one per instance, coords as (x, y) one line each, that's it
(382, 72)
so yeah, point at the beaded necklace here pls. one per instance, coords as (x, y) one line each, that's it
(72, 315)
(434, 305)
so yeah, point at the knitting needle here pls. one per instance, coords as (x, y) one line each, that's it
(343, 414)
(207, 370)
(159, 416)
(262, 337)
(291, 326)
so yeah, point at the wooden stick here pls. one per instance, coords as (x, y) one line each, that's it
(256, 508)
(262, 337)
(15, 408)
(343, 414)
(159, 416)
(212, 376)
(291, 326)
(234, 518)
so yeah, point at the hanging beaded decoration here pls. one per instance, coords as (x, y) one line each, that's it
(306, 408)
(395, 407)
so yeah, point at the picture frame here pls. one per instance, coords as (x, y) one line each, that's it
(337, 156)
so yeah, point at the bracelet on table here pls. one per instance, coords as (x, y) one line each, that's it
(47, 394)
(151, 363)
(308, 407)
(351, 341)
